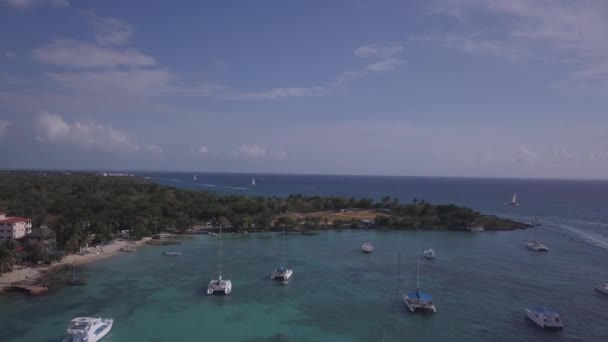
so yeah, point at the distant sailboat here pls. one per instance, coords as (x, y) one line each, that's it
(514, 200)
(194, 177)
(253, 182)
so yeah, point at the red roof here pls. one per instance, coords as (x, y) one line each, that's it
(15, 220)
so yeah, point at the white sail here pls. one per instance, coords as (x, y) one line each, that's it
(253, 181)
(514, 200)
(194, 177)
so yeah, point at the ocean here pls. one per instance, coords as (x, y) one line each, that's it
(480, 282)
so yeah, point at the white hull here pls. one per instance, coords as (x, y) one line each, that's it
(537, 247)
(603, 288)
(367, 248)
(88, 329)
(544, 321)
(220, 287)
(415, 305)
(283, 276)
(429, 253)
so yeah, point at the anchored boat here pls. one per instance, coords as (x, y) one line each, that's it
(219, 285)
(544, 317)
(88, 329)
(419, 301)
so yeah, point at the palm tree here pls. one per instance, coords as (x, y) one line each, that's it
(7, 259)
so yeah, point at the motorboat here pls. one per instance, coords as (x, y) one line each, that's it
(544, 317)
(429, 253)
(603, 288)
(88, 329)
(367, 247)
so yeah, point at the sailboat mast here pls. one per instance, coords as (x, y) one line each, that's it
(418, 272)
(284, 263)
(74, 273)
(220, 252)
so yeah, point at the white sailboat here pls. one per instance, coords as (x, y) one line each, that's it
(419, 301)
(535, 245)
(194, 178)
(514, 200)
(282, 273)
(253, 182)
(220, 285)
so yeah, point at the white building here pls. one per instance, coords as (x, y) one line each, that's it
(12, 228)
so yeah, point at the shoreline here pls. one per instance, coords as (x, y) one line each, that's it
(33, 274)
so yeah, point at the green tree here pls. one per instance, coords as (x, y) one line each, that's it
(7, 259)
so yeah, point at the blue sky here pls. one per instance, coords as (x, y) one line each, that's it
(450, 88)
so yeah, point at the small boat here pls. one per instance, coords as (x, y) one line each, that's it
(213, 234)
(429, 253)
(127, 249)
(194, 178)
(536, 246)
(219, 285)
(282, 273)
(477, 229)
(253, 182)
(419, 301)
(603, 288)
(367, 247)
(88, 329)
(514, 202)
(544, 317)
(76, 281)
(172, 253)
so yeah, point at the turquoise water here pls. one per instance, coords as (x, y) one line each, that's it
(480, 283)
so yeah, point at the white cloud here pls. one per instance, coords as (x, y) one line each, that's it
(203, 149)
(75, 54)
(379, 51)
(525, 155)
(569, 32)
(562, 154)
(111, 31)
(107, 82)
(54, 129)
(278, 93)
(24, 4)
(250, 151)
(4, 125)
(9, 55)
(389, 64)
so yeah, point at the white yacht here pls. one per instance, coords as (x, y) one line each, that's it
(367, 247)
(419, 301)
(536, 246)
(544, 317)
(429, 253)
(220, 285)
(282, 273)
(88, 329)
(603, 288)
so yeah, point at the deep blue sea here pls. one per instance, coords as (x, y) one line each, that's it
(480, 282)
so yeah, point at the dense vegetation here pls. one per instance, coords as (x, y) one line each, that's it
(78, 205)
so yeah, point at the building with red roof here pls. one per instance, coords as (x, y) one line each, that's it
(12, 228)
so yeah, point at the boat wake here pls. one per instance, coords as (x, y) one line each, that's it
(220, 186)
(592, 238)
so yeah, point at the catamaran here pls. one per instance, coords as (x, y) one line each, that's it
(603, 288)
(76, 281)
(282, 273)
(536, 246)
(514, 200)
(419, 301)
(220, 285)
(429, 253)
(367, 247)
(544, 317)
(88, 329)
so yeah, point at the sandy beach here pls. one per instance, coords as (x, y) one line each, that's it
(32, 273)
